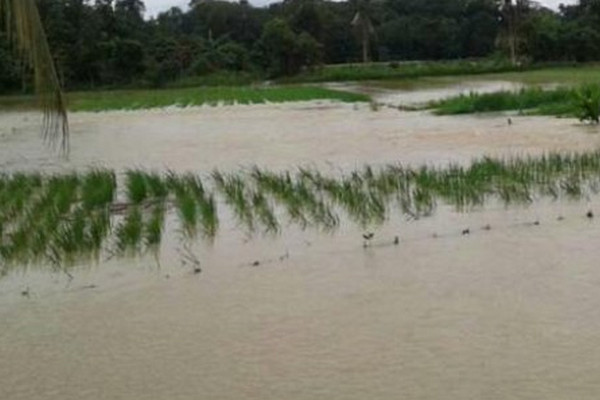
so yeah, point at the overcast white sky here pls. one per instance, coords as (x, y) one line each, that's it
(155, 6)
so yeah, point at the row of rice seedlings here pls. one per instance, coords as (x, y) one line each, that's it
(28, 232)
(66, 218)
(63, 219)
(367, 196)
(78, 222)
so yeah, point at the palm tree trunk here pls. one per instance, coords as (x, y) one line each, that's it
(365, 47)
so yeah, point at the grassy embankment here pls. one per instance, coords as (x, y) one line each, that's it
(144, 99)
(406, 71)
(536, 101)
(567, 75)
(64, 219)
(560, 101)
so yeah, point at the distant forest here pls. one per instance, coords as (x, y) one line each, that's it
(106, 43)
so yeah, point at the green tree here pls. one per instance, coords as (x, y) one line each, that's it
(284, 52)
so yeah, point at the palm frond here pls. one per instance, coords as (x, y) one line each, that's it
(24, 28)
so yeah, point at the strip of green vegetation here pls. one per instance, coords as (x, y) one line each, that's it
(64, 219)
(405, 70)
(567, 75)
(582, 102)
(559, 101)
(144, 99)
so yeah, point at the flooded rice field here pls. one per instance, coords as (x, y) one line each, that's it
(283, 136)
(493, 304)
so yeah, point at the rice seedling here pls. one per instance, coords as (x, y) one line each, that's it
(281, 188)
(98, 189)
(264, 213)
(157, 187)
(62, 192)
(129, 232)
(153, 228)
(187, 210)
(233, 188)
(303, 204)
(98, 230)
(137, 190)
(69, 240)
(208, 216)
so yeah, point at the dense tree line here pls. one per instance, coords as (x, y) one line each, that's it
(109, 43)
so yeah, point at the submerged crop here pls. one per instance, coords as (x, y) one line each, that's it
(62, 220)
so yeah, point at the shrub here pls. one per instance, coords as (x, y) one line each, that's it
(588, 103)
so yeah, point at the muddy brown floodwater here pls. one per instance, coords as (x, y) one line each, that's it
(505, 313)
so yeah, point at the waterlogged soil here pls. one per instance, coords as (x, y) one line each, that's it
(494, 304)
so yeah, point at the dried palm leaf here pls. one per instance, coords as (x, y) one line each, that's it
(25, 30)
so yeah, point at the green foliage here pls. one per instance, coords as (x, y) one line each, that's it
(98, 189)
(143, 99)
(137, 188)
(588, 103)
(524, 99)
(404, 70)
(583, 102)
(109, 44)
(129, 232)
(283, 52)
